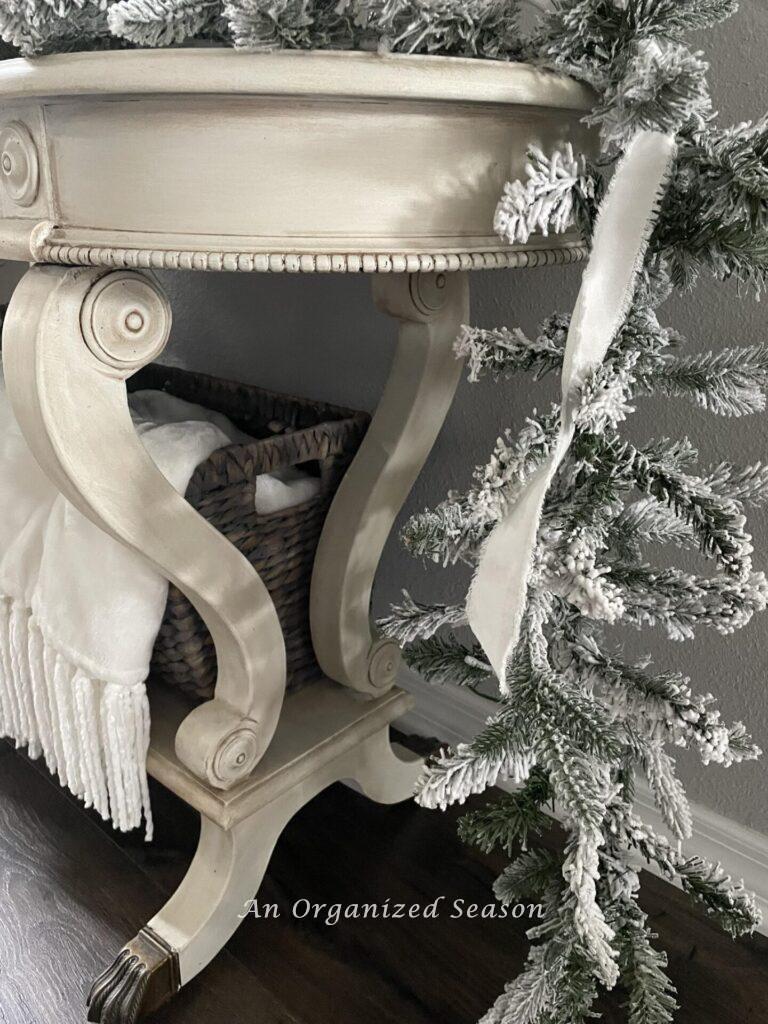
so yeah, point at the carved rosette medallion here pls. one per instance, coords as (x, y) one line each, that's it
(125, 321)
(19, 165)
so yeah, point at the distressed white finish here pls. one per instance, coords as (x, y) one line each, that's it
(70, 339)
(325, 735)
(290, 162)
(430, 309)
(212, 159)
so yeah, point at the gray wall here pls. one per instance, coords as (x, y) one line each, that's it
(321, 337)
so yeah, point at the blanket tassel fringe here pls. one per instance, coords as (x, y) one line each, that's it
(93, 735)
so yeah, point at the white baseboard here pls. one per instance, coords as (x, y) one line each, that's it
(454, 715)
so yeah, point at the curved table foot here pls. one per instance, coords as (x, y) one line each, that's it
(386, 772)
(195, 923)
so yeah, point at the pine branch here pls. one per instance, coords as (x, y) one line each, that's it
(446, 534)
(661, 88)
(456, 528)
(288, 24)
(664, 703)
(161, 22)
(729, 904)
(502, 750)
(38, 27)
(717, 521)
(694, 243)
(556, 187)
(667, 790)
(729, 169)
(581, 871)
(501, 352)
(643, 971)
(509, 821)
(740, 744)
(747, 484)
(681, 602)
(411, 621)
(730, 382)
(462, 28)
(446, 660)
(531, 997)
(648, 522)
(565, 715)
(677, 17)
(582, 38)
(530, 875)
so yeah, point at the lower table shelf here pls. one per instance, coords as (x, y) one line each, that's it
(319, 724)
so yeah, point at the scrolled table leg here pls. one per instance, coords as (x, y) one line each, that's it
(430, 309)
(70, 340)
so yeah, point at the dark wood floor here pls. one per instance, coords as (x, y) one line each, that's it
(71, 895)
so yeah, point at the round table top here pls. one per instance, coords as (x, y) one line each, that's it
(348, 73)
(215, 159)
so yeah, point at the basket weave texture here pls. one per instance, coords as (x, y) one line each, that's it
(281, 545)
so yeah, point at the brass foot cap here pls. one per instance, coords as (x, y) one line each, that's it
(143, 977)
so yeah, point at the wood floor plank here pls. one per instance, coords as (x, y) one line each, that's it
(342, 848)
(339, 849)
(361, 853)
(70, 898)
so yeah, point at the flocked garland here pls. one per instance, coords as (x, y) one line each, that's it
(579, 722)
(473, 28)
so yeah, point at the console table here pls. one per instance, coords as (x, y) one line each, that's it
(113, 165)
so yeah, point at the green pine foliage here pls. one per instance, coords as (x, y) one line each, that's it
(288, 24)
(581, 722)
(651, 995)
(42, 26)
(471, 28)
(466, 28)
(509, 821)
(161, 22)
(444, 659)
(729, 382)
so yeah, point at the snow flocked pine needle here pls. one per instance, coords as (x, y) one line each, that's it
(580, 721)
(466, 28)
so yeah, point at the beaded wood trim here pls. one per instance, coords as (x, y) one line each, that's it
(292, 263)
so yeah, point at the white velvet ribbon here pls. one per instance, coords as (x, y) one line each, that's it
(497, 596)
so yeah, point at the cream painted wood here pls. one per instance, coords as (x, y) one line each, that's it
(319, 724)
(71, 337)
(430, 309)
(211, 159)
(297, 73)
(224, 876)
(326, 734)
(339, 739)
(207, 159)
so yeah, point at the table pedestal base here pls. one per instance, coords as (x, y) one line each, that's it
(326, 734)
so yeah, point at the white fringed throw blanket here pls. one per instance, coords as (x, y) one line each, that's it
(79, 613)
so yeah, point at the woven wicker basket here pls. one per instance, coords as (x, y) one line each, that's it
(280, 546)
